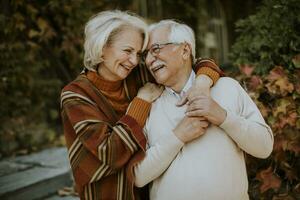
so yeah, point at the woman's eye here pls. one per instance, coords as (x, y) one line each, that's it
(128, 51)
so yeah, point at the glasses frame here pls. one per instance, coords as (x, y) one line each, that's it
(155, 49)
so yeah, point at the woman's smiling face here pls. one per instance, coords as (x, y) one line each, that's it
(122, 54)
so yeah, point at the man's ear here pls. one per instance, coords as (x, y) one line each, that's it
(187, 51)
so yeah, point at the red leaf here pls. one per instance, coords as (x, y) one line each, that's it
(247, 69)
(276, 73)
(280, 143)
(269, 180)
(254, 82)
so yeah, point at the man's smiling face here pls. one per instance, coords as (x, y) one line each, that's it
(166, 64)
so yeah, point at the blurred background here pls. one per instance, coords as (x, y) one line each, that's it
(254, 41)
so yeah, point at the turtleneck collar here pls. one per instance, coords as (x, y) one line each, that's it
(103, 84)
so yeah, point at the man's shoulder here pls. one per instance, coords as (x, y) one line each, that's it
(227, 81)
(226, 84)
(226, 88)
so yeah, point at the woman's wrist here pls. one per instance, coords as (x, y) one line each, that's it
(203, 81)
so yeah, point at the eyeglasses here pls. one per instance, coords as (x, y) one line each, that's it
(154, 50)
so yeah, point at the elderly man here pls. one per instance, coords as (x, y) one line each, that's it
(183, 160)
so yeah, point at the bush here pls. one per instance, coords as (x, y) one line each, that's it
(268, 55)
(271, 37)
(42, 51)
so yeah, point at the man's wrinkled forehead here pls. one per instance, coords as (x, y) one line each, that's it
(159, 35)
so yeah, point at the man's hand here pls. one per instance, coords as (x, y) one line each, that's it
(201, 86)
(190, 128)
(205, 106)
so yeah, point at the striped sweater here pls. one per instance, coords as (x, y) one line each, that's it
(104, 141)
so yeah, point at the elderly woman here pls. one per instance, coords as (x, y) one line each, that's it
(103, 111)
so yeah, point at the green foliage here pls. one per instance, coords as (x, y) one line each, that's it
(270, 37)
(268, 55)
(40, 51)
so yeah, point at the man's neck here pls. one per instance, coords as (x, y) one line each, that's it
(182, 79)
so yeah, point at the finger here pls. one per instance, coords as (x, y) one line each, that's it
(182, 101)
(202, 118)
(199, 118)
(196, 113)
(204, 124)
(195, 106)
(196, 98)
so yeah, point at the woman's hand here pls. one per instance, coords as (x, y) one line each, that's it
(201, 86)
(150, 92)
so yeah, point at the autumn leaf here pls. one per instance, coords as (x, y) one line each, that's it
(281, 107)
(269, 180)
(289, 119)
(294, 146)
(255, 82)
(272, 89)
(276, 73)
(280, 143)
(33, 33)
(246, 69)
(42, 24)
(284, 86)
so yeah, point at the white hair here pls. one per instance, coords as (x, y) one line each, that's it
(179, 32)
(102, 28)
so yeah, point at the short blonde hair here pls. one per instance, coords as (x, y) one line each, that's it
(179, 32)
(101, 29)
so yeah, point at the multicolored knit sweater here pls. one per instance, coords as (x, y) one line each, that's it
(104, 142)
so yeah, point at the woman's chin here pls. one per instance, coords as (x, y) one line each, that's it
(123, 73)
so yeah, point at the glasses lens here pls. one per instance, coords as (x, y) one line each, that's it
(155, 49)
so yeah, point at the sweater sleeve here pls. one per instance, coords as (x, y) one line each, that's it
(93, 140)
(248, 128)
(158, 158)
(208, 67)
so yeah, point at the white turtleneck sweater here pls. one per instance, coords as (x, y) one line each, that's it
(211, 167)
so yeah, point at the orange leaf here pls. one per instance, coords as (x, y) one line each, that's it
(281, 107)
(284, 86)
(269, 180)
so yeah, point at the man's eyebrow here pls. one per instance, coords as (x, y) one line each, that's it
(155, 44)
(130, 47)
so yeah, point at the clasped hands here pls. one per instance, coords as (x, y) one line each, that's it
(201, 111)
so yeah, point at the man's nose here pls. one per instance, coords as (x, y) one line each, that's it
(150, 59)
